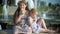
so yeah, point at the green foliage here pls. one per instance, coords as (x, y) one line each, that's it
(52, 7)
(43, 8)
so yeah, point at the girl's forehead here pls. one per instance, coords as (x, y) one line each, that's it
(33, 12)
(22, 3)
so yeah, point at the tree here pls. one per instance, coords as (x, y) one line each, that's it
(51, 6)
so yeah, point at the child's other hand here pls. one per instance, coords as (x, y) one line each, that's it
(35, 18)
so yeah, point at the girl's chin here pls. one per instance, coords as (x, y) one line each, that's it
(21, 8)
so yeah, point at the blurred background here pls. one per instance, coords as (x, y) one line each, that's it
(47, 9)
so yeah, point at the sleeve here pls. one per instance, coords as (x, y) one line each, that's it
(30, 21)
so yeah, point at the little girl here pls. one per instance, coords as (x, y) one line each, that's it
(35, 23)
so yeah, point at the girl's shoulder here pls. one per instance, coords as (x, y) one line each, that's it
(30, 18)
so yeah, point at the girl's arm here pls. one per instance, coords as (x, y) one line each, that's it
(17, 18)
(31, 23)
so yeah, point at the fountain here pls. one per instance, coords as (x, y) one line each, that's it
(16, 1)
(30, 4)
(0, 27)
(35, 3)
(5, 12)
(44, 16)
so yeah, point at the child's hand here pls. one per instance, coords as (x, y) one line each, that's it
(21, 13)
(35, 20)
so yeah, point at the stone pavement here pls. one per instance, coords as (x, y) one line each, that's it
(11, 32)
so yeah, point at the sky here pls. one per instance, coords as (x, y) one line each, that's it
(52, 1)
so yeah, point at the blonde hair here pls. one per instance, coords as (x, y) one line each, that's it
(33, 11)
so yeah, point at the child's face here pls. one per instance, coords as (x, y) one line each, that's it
(22, 6)
(34, 14)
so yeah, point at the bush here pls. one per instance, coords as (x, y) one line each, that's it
(43, 8)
